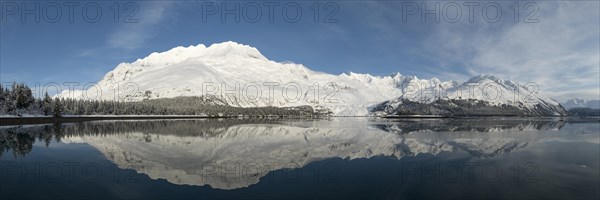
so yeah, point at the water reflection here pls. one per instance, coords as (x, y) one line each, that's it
(229, 154)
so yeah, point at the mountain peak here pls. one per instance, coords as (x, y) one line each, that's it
(216, 50)
(395, 75)
(230, 48)
(482, 77)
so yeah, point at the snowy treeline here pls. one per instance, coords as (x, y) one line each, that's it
(19, 100)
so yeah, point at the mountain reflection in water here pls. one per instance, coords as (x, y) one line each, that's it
(190, 152)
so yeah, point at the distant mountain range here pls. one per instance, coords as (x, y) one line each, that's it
(239, 75)
(581, 103)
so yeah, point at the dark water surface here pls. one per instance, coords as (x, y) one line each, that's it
(340, 158)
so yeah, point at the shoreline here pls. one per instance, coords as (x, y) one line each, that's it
(36, 120)
(11, 121)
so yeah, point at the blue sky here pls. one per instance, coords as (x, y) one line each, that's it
(558, 48)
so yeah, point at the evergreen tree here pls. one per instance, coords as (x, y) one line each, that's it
(9, 104)
(5, 102)
(57, 107)
(47, 104)
(23, 96)
(2, 99)
(1, 93)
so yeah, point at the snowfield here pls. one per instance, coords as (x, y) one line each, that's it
(241, 76)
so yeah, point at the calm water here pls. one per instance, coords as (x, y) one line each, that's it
(343, 158)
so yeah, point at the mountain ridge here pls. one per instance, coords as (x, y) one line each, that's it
(241, 76)
(581, 103)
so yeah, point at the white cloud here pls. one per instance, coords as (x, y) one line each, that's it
(560, 53)
(134, 35)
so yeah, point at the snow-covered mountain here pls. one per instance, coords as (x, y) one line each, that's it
(581, 103)
(241, 76)
(481, 95)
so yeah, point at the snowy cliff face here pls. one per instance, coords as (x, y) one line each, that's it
(239, 155)
(241, 76)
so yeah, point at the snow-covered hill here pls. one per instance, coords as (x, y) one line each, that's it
(241, 76)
